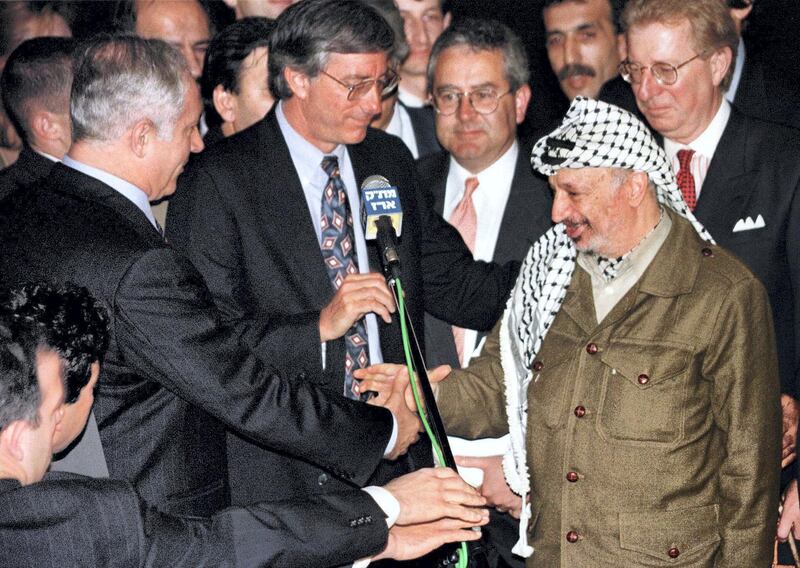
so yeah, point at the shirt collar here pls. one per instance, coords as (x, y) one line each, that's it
(706, 143)
(730, 94)
(46, 155)
(132, 193)
(502, 168)
(409, 99)
(306, 157)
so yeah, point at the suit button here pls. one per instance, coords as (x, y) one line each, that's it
(572, 477)
(538, 366)
(707, 252)
(572, 536)
(673, 552)
(580, 411)
(591, 349)
(643, 379)
(302, 375)
(322, 479)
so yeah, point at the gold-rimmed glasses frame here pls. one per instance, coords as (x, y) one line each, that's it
(386, 83)
(487, 102)
(663, 73)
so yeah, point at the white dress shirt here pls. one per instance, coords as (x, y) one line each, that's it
(489, 200)
(730, 94)
(401, 126)
(704, 146)
(410, 99)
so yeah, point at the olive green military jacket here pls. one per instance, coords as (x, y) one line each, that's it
(653, 437)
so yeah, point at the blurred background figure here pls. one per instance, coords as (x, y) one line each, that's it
(263, 8)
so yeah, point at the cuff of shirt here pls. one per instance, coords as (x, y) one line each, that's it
(392, 440)
(391, 508)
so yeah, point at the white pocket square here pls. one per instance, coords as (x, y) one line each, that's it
(748, 224)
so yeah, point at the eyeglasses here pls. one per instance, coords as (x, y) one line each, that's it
(663, 73)
(386, 83)
(483, 101)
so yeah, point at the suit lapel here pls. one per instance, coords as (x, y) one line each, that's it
(438, 182)
(729, 182)
(283, 205)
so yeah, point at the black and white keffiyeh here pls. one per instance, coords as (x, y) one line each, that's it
(593, 134)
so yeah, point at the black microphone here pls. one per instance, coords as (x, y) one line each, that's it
(382, 218)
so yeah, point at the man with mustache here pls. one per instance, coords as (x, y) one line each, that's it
(585, 46)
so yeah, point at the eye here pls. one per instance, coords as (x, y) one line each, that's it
(555, 40)
(448, 96)
(484, 95)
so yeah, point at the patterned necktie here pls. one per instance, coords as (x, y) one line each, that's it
(686, 179)
(338, 252)
(465, 219)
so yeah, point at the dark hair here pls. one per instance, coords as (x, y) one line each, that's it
(616, 10)
(307, 32)
(19, 390)
(67, 320)
(14, 14)
(484, 35)
(39, 72)
(224, 58)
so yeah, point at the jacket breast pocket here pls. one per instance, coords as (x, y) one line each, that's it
(643, 391)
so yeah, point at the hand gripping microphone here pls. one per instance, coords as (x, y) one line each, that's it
(382, 219)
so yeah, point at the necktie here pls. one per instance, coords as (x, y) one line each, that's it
(686, 179)
(465, 219)
(338, 252)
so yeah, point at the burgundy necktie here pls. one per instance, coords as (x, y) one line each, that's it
(686, 179)
(465, 219)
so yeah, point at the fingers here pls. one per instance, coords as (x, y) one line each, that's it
(434, 493)
(791, 512)
(358, 295)
(439, 373)
(788, 459)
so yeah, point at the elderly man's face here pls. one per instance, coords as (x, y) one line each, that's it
(182, 24)
(327, 118)
(424, 22)
(681, 111)
(582, 45)
(477, 140)
(594, 208)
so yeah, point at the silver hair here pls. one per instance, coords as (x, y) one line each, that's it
(120, 80)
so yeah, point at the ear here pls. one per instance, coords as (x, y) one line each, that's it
(446, 20)
(720, 62)
(638, 184)
(521, 99)
(225, 103)
(298, 82)
(739, 15)
(11, 439)
(142, 136)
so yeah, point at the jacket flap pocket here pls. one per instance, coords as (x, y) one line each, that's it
(669, 534)
(644, 362)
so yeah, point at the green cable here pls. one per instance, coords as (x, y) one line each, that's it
(463, 558)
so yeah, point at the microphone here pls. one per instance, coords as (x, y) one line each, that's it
(382, 218)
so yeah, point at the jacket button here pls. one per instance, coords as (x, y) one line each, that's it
(322, 479)
(643, 379)
(572, 536)
(707, 251)
(591, 349)
(580, 411)
(572, 477)
(673, 552)
(538, 366)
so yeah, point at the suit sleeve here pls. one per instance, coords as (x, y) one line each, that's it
(458, 289)
(328, 530)
(472, 400)
(168, 327)
(743, 366)
(198, 218)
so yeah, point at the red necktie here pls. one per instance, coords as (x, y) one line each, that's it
(465, 219)
(686, 179)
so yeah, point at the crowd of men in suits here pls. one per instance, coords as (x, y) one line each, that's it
(200, 188)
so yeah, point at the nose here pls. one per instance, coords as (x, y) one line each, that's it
(560, 209)
(572, 52)
(465, 110)
(195, 64)
(371, 102)
(415, 32)
(197, 141)
(647, 88)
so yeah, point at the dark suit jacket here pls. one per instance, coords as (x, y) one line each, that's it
(173, 370)
(29, 168)
(251, 236)
(70, 520)
(766, 92)
(423, 122)
(756, 171)
(526, 217)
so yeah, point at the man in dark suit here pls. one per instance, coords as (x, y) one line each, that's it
(50, 344)
(585, 46)
(760, 85)
(175, 374)
(35, 88)
(264, 213)
(478, 77)
(742, 174)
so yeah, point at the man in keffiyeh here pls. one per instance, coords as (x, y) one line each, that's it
(634, 368)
